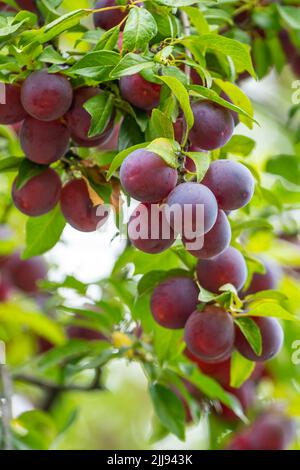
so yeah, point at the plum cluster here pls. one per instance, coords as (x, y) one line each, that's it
(51, 114)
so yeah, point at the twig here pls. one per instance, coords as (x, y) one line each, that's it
(5, 403)
(51, 386)
(187, 31)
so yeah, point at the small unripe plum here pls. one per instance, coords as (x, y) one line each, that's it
(148, 229)
(173, 301)
(26, 274)
(109, 18)
(44, 142)
(79, 120)
(271, 431)
(46, 96)
(39, 195)
(12, 110)
(227, 268)
(146, 177)
(272, 339)
(215, 241)
(139, 92)
(190, 203)
(264, 281)
(210, 334)
(213, 125)
(78, 207)
(231, 182)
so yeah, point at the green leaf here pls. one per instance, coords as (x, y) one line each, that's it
(10, 164)
(202, 161)
(169, 409)
(198, 90)
(291, 15)
(237, 51)
(28, 170)
(160, 125)
(130, 133)
(267, 294)
(51, 56)
(96, 65)
(197, 19)
(238, 98)
(61, 24)
(108, 40)
(251, 332)
(183, 98)
(120, 157)
(239, 145)
(42, 233)
(166, 149)
(36, 429)
(140, 28)
(131, 64)
(34, 320)
(287, 166)
(240, 369)
(269, 308)
(100, 108)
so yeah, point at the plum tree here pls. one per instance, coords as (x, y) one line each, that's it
(173, 301)
(78, 207)
(272, 339)
(148, 232)
(231, 182)
(210, 334)
(12, 110)
(79, 120)
(26, 274)
(38, 195)
(46, 96)
(146, 177)
(109, 18)
(44, 142)
(213, 125)
(264, 281)
(271, 431)
(139, 92)
(227, 268)
(215, 241)
(189, 202)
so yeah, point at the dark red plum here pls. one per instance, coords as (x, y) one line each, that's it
(80, 332)
(173, 301)
(109, 18)
(219, 371)
(26, 274)
(29, 5)
(215, 241)
(78, 207)
(139, 92)
(148, 229)
(46, 96)
(272, 339)
(146, 177)
(246, 396)
(79, 120)
(193, 209)
(39, 195)
(271, 431)
(210, 334)
(227, 268)
(12, 110)
(44, 142)
(231, 182)
(213, 125)
(265, 281)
